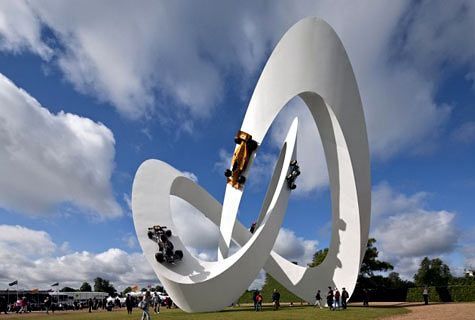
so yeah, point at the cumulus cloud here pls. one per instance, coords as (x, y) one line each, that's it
(20, 29)
(165, 50)
(171, 51)
(406, 231)
(36, 261)
(49, 159)
(295, 248)
(20, 240)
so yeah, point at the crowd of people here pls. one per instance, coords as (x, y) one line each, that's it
(335, 299)
(148, 300)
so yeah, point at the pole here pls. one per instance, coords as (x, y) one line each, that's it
(17, 290)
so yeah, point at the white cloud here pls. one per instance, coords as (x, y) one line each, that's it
(156, 50)
(194, 229)
(18, 240)
(406, 232)
(20, 29)
(295, 248)
(164, 52)
(130, 240)
(38, 262)
(48, 159)
(443, 25)
(418, 233)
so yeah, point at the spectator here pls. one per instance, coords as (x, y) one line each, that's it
(47, 303)
(128, 304)
(344, 298)
(330, 298)
(90, 304)
(156, 303)
(425, 295)
(259, 301)
(276, 299)
(23, 305)
(169, 303)
(144, 304)
(254, 299)
(365, 298)
(336, 297)
(318, 299)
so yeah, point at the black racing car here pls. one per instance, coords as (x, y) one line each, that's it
(161, 235)
(294, 172)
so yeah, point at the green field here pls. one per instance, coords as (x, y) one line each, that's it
(241, 313)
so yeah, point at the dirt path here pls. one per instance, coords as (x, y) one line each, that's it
(451, 311)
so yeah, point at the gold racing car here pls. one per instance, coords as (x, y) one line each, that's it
(241, 158)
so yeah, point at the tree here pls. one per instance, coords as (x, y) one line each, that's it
(67, 289)
(432, 272)
(127, 290)
(102, 285)
(85, 287)
(318, 257)
(371, 263)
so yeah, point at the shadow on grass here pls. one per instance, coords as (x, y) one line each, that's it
(396, 305)
(264, 309)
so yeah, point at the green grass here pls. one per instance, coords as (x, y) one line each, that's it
(241, 313)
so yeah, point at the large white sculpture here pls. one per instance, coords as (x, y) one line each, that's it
(309, 62)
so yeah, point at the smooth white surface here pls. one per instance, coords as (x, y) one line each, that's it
(310, 62)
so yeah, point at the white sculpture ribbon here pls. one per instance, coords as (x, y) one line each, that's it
(310, 62)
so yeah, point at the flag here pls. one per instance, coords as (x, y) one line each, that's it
(13, 283)
(55, 284)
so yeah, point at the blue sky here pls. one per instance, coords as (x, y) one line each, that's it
(90, 91)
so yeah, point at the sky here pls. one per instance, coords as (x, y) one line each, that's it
(90, 90)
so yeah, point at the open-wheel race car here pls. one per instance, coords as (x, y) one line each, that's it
(241, 158)
(161, 235)
(294, 172)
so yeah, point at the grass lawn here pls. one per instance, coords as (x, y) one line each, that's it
(241, 313)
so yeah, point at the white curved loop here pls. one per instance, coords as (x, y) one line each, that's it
(186, 281)
(310, 62)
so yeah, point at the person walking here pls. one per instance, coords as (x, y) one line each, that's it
(365, 298)
(330, 298)
(318, 299)
(156, 303)
(23, 305)
(276, 299)
(254, 299)
(344, 298)
(144, 305)
(425, 295)
(47, 303)
(336, 297)
(89, 304)
(128, 304)
(259, 301)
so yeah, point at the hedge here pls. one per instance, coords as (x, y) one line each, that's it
(443, 294)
